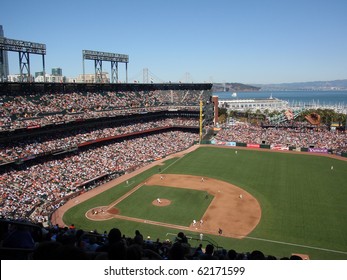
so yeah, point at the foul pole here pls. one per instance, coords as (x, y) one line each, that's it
(201, 115)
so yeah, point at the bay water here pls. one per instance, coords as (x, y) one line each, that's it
(324, 98)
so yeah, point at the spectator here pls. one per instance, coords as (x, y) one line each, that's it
(18, 236)
(209, 253)
(256, 255)
(114, 236)
(232, 254)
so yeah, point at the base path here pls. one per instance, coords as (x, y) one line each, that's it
(233, 210)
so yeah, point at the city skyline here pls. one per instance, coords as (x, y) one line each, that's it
(4, 67)
(251, 42)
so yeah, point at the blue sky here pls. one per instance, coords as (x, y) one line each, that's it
(247, 41)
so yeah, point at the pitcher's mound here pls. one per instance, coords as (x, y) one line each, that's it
(163, 202)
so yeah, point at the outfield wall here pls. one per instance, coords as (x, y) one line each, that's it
(274, 147)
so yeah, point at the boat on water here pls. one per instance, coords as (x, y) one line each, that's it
(234, 94)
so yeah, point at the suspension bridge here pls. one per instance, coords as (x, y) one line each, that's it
(146, 76)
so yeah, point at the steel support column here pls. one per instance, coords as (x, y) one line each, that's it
(126, 72)
(24, 64)
(98, 70)
(114, 72)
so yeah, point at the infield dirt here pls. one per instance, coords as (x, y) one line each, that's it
(232, 209)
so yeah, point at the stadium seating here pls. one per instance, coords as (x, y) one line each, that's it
(69, 243)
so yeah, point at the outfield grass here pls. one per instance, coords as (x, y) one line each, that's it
(303, 201)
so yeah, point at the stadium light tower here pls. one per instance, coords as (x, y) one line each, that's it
(24, 48)
(99, 57)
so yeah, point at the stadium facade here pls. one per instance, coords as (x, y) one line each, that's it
(253, 104)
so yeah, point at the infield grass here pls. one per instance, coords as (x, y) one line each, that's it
(139, 205)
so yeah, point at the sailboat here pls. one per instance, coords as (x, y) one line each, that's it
(234, 94)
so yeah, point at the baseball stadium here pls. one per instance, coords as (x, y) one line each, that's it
(142, 171)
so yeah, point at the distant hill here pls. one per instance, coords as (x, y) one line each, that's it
(318, 85)
(233, 87)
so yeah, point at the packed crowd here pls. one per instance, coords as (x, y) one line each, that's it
(69, 243)
(296, 137)
(30, 110)
(34, 191)
(68, 139)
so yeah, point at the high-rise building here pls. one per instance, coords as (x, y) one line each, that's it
(37, 74)
(57, 72)
(4, 69)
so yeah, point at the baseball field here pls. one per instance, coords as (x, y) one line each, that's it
(279, 203)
